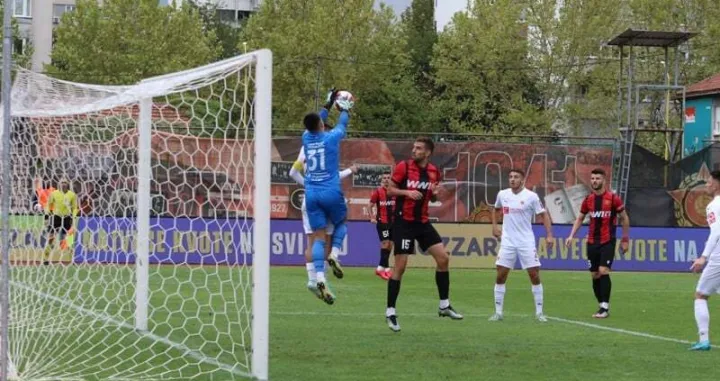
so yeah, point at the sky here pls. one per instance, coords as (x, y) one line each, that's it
(443, 13)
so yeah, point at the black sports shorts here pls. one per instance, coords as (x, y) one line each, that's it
(601, 254)
(60, 224)
(384, 231)
(405, 234)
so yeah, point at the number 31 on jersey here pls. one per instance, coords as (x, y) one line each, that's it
(316, 158)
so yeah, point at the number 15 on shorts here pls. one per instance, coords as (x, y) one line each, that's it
(405, 244)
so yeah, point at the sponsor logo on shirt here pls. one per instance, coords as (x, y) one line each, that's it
(413, 184)
(600, 214)
(508, 210)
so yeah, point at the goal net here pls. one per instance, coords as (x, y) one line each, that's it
(153, 278)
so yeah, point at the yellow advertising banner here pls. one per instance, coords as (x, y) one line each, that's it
(473, 246)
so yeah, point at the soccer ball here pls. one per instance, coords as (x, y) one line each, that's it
(344, 95)
(344, 100)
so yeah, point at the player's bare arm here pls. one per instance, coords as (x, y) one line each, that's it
(373, 212)
(549, 239)
(698, 264)
(710, 247)
(575, 228)
(434, 187)
(371, 207)
(625, 240)
(497, 232)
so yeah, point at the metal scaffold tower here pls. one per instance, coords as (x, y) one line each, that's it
(645, 106)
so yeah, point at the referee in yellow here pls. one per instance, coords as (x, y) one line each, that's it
(62, 206)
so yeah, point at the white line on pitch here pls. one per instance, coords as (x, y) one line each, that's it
(562, 320)
(380, 314)
(199, 356)
(622, 331)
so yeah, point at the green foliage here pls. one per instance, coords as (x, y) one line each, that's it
(227, 35)
(123, 41)
(352, 45)
(505, 66)
(480, 66)
(574, 77)
(420, 34)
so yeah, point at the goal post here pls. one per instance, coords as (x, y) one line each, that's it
(164, 273)
(142, 249)
(261, 234)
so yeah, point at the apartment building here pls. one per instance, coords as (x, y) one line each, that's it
(229, 10)
(38, 18)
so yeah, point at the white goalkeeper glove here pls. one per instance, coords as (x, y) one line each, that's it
(344, 105)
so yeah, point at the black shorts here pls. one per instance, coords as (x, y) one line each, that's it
(60, 224)
(384, 231)
(602, 254)
(406, 233)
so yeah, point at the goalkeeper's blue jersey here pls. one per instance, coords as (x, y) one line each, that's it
(322, 155)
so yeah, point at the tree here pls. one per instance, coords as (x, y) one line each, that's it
(421, 35)
(576, 77)
(350, 44)
(698, 16)
(482, 72)
(123, 41)
(227, 35)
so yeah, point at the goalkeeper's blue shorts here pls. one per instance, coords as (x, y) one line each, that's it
(325, 205)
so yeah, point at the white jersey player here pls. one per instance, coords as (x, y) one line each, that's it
(709, 282)
(297, 173)
(519, 207)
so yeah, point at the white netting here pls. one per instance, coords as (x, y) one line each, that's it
(75, 318)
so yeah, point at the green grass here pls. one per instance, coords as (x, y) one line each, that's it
(77, 322)
(66, 327)
(350, 341)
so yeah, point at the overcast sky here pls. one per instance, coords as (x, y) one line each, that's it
(444, 11)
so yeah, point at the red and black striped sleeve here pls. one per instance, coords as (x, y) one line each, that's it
(374, 197)
(585, 206)
(618, 204)
(400, 173)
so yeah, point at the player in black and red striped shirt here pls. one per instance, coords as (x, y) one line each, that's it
(414, 183)
(381, 212)
(604, 208)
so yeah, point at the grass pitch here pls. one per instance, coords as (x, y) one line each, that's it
(644, 339)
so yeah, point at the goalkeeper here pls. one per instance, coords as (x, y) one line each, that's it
(324, 198)
(297, 172)
(62, 207)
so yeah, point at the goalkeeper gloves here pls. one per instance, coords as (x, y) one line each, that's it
(344, 105)
(330, 100)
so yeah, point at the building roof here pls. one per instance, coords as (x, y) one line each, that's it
(651, 38)
(707, 86)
